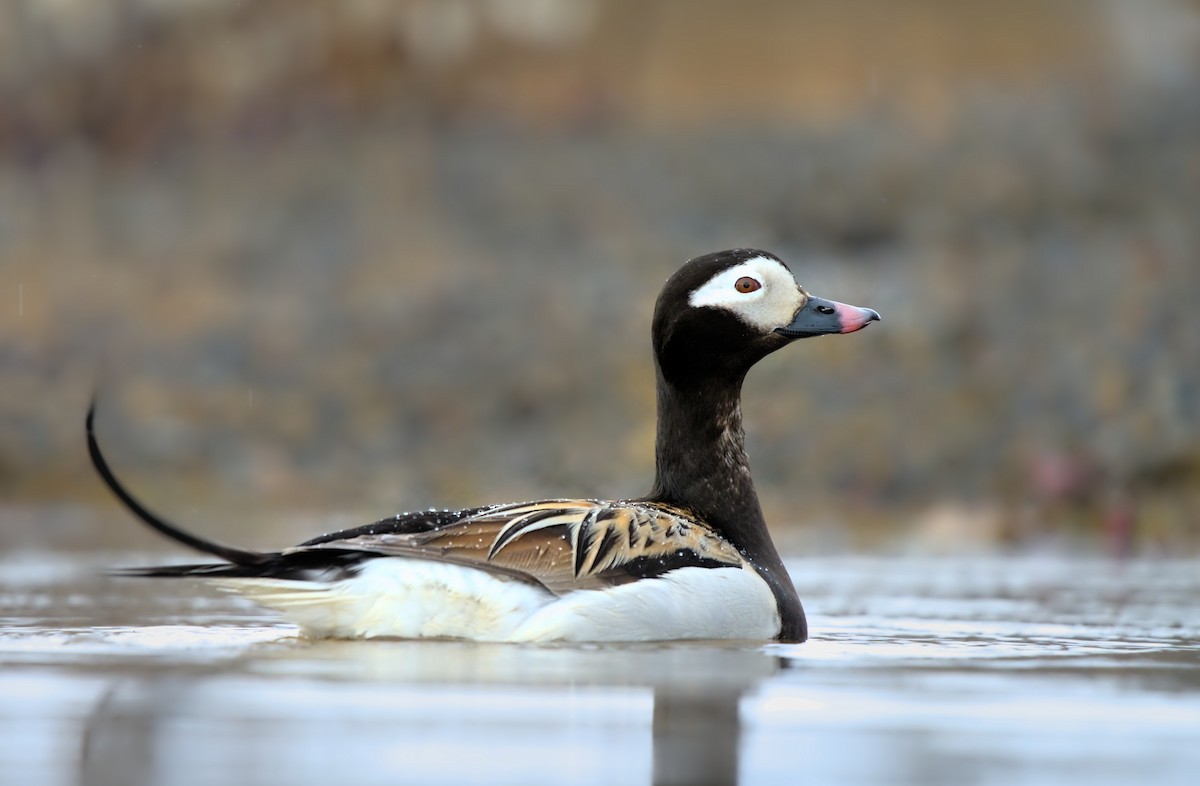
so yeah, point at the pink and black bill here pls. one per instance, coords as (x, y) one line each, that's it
(820, 317)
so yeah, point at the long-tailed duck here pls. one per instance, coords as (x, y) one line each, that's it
(690, 560)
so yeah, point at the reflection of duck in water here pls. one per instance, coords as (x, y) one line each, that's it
(691, 560)
(673, 707)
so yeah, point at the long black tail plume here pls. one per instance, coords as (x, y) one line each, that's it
(237, 556)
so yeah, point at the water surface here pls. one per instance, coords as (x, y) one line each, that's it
(949, 670)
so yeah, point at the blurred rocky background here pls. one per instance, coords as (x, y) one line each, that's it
(328, 261)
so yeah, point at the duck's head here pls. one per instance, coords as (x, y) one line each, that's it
(721, 313)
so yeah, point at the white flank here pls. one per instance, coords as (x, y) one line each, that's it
(772, 306)
(687, 603)
(408, 598)
(401, 598)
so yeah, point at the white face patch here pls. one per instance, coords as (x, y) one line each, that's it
(771, 306)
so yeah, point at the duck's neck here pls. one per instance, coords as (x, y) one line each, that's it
(701, 465)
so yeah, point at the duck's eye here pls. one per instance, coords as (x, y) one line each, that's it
(745, 285)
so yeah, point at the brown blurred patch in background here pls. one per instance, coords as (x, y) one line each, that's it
(328, 261)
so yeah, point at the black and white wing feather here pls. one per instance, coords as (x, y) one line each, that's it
(562, 544)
